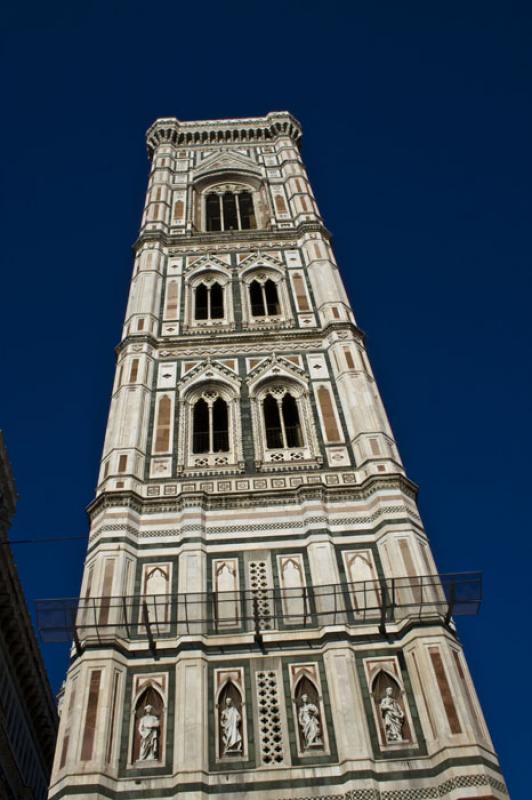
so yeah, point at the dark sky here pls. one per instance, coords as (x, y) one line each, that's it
(417, 127)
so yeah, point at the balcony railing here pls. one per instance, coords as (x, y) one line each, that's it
(154, 617)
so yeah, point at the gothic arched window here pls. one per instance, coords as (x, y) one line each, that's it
(230, 216)
(272, 422)
(209, 301)
(210, 426)
(264, 298)
(220, 426)
(281, 421)
(290, 418)
(247, 213)
(229, 211)
(213, 212)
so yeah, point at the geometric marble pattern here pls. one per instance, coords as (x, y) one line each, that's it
(271, 742)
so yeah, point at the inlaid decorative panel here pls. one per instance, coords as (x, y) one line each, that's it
(269, 722)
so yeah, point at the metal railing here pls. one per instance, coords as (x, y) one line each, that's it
(153, 617)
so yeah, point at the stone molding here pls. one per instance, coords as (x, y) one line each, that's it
(433, 792)
(421, 793)
(230, 239)
(254, 528)
(249, 340)
(295, 496)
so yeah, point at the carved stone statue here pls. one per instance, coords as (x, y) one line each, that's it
(149, 726)
(230, 721)
(393, 716)
(309, 721)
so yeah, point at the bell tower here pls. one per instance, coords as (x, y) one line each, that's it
(260, 614)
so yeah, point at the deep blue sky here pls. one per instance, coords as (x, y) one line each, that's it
(417, 128)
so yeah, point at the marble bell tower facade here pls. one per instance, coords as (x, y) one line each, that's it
(260, 613)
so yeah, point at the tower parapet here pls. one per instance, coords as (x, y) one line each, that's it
(241, 131)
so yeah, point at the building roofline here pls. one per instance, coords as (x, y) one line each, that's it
(232, 130)
(7, 482)
(17, 632)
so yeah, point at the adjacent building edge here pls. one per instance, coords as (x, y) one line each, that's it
(248, 463)
(28, 717)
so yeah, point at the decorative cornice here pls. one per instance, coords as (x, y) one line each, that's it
(250, 499)
(244, 130)
(228, 240)
(231, 342)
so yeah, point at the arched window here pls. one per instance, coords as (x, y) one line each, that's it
(200, 436)
(202, 302)
(264, 298)
(256, 299)
(213, 212)
(272, 422)
(281, 421)
(210, 426)
(290, 417)
(209, 301)
(247, 213)
(217, 301)
(229, 211)
(272, 298)
(220, 426)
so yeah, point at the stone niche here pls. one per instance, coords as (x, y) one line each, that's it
(389, 703)
(230, 715)
(148, 721)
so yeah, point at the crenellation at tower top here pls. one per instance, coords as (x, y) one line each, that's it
(244, 130)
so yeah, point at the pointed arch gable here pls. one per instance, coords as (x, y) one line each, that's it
(223, 162)
(205, 265)
(209, 373)
(276, 369)
(261, 260)
(275, 271)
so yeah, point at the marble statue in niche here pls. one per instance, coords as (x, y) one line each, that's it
(309, 722)
(148, 728)
(230, 720)
(393, 717)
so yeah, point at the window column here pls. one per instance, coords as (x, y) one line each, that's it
(238, 218)
(221, 202)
